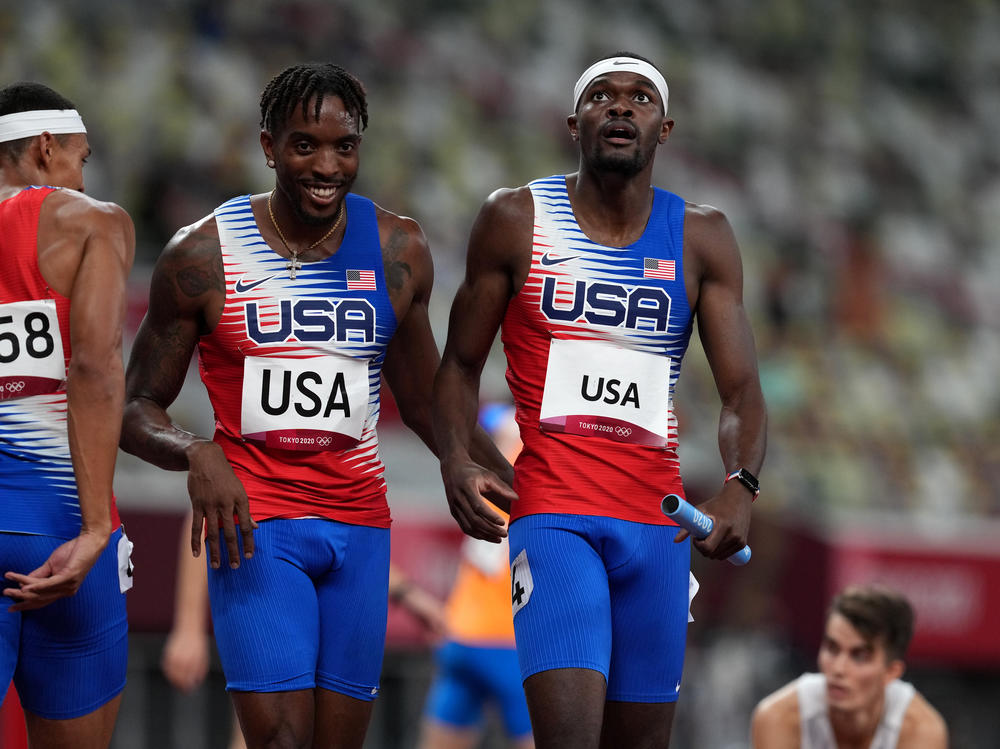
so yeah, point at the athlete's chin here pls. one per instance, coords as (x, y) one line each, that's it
(312, 216)
(840, 698)
(619, 164)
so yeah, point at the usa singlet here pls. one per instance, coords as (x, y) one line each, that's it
(37, 485)
(594, 342)
(293, 370)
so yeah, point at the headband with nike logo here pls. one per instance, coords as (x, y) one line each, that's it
(615, 64)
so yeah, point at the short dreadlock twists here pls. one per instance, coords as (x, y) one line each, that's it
(300, 84)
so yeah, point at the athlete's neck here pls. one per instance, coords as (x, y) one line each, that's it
(855, 729)
(611, 211)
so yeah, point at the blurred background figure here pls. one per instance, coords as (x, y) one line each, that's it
(477, 670)
(187, 651)
(857, 699)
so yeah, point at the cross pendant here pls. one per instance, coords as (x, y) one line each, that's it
(293, 265)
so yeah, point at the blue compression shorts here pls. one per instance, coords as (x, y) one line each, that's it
(308, 610)
(470, 677)
(69, 658)
(604, 594)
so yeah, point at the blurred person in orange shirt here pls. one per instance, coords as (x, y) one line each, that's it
(477, 662)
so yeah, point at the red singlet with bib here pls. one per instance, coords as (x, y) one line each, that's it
(37, 484)
(293, 370)
(594, 342)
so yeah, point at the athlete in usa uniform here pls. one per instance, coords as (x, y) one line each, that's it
(298, 301)
(64, 557)
(590, 294)
(269, 317)
(596, 280)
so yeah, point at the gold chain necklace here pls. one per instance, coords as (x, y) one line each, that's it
(293, 262)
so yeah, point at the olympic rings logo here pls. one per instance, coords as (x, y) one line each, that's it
(623, 431)
(15, 387)
(324, 441)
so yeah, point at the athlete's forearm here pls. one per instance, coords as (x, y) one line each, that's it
(484, 451)
(93, 423)
(456, 406)
(148, 433)
(191, 594)
(743, 430)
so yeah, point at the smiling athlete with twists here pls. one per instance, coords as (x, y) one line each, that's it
(596, 279)
(298, 301)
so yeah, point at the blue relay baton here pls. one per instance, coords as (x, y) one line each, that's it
(697, 523)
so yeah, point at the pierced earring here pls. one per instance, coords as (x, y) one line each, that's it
(270, 163)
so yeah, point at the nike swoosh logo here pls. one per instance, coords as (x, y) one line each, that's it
(622, 62)
(242, 288)
(546, 260)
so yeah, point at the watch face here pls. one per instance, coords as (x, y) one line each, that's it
(748, 480)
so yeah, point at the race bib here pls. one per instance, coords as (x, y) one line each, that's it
(693, 587)
(125, 568)
(319, 403)
(522, 584)
(31, 352)
(597, 389)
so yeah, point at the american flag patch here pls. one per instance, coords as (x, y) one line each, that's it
(361, 280)
(655, 268)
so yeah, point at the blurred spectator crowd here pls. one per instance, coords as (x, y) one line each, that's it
(851, 144)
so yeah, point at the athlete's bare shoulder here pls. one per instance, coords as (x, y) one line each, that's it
(71, 210)
(923, 727)
(501, 237)
(69, 216)
(189, 271)
(406, 256)
(73, 226)
(776, 723)
(706, 229)
(195, 242)
(510, 206)
(711, 254)
(398, 231)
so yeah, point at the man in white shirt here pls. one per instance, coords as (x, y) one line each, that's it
(857, 700)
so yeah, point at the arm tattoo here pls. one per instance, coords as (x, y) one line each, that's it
(202, 276)
(396, 271)
(396, 274)
(202, 271)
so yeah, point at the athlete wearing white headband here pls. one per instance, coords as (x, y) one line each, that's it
(618, 65)
(28, 124)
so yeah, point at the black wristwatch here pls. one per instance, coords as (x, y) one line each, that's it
(747, 479)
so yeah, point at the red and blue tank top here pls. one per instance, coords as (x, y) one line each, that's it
(594, 341)
(38, 493)
(293, 370)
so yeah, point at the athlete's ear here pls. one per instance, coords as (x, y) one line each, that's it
(665, 129)
(267, 143)
(574, 132)
(46, 146)
(895, 670)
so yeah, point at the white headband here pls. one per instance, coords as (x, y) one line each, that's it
(615, 64)
(27, 124)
